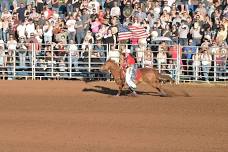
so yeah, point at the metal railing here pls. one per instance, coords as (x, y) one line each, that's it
(73, 61)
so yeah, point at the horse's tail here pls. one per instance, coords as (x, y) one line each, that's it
(165, 78)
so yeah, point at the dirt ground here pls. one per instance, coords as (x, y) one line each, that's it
(73, 116)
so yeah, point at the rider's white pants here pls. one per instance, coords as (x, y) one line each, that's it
(130, 83)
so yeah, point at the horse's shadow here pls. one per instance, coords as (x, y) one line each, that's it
(113, 92)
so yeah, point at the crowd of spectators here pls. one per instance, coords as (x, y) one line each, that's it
(204, 23)
(178, 19)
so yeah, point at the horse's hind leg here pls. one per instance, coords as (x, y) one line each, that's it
(161, 91)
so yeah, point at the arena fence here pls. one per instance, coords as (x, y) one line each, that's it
(74, 61)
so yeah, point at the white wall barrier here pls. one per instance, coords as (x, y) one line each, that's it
(73, 61)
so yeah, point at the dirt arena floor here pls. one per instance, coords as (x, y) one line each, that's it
(73, 116)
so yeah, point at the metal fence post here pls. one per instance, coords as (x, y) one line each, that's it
(107, 52)
(178, 65)
(52, 61)
(14, 63)
(215, 68)
(89, 60)
(70, 61)
(33, 62)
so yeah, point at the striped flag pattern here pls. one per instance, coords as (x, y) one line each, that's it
(129, 32)
(124, 33)
(138, 32)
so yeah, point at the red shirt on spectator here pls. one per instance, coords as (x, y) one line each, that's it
(173, 51)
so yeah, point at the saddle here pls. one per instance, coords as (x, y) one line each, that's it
(136, 76)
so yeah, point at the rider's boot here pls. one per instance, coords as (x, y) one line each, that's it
(133, 92)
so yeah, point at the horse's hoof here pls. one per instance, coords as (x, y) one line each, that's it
(133, 94)
(164, 95)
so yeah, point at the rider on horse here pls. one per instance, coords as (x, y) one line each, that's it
(130, 65)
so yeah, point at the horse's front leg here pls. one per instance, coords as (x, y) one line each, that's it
(120, 89)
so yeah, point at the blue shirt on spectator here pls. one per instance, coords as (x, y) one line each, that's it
(189, 51)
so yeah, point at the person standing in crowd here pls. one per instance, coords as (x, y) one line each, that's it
(206, 60)
(5, 30)
(188, 52)
(21, 12)
(79, 29)
(55, 5)
(22, 51)
(115, 10)
(161, 59)
(11, 45)
(148, 58)
(39, 6)
(196, 59)
(71, 22)
(220, 63)
(196, 34)
(48, 32)
(94, 5)
(3, 61)
(30, 28)
(70, 7)
(183, 33)
(73, 56)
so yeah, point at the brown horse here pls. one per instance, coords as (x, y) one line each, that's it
(147, 75)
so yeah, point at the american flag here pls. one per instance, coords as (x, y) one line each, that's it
(138, 32)
(129, 32)
(124, 33)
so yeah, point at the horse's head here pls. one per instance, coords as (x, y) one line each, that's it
(107, 65)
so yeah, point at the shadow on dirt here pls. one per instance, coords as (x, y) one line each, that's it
(109, 91)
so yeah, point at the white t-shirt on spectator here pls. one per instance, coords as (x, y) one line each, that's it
(30, 28)
(115, 11)
(6, 15)
(12, 45)
(73, 50)
(183, 32)
(157, 11)
(21, 30)
(93, 5)
(71, 25)
(170, 2)
(49, 31)
(167, 8)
